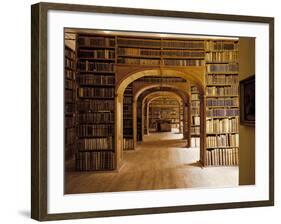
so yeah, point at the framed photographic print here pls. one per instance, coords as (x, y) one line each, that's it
(138, 111)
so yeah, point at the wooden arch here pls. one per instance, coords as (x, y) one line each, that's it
(125, 76)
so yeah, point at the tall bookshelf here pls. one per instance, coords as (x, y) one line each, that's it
(160, 51)
(91, 117)
(128, 141)
(222, 103)
(70, 138)
(95, 103)
(195, 117)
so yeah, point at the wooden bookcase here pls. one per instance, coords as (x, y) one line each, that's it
(70, 137)
(96, 87)
(160, 51)
(195, 117)
(222, 103)
(128, 141)
(97, 58)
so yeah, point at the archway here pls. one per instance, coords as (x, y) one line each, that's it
(170, 105)
(181, 90)
(150, 98)
(125, 77)
(185, 99)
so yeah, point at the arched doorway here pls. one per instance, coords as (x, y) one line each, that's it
(180, 91)
(125, 76)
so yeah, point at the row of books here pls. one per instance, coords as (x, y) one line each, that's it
(91, 161)
(195, 111)
(222, 125)
(195, 130)
(95, 130)
(127, 110)
(70, 107)
(222, 91)
(222, 67)
(195, 120)
(88, 66)
(69, 121)
(186, 62)
(221, 45)
(222, 79)
(224, 140)
(84, 41)
(127, 132)
(222, 157)
(69, 84)
(183, 44)
(96, 105)
(195, 96)
(165, 101)
(127, 123)
(127, 100)
(70, 136)
(69, 95)
(95, 144)
(233, 102)
(183, 53)
(69, 63)
(138, 52)
(161, 79)
(97, 53)
(128, 144)
(225, 56)
(69, 74)
(222, 112)
(195, 104)
(138, 42)
(138, 61)
(168, 62)
(96, 80)
(186, 44)
(157, 53)
(195, 142)
(69, 53)
(194, 89)
(96, 117)
(88, 92)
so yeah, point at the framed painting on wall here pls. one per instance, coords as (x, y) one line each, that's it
(247, 99)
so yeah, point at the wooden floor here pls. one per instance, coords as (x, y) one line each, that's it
(160, 162)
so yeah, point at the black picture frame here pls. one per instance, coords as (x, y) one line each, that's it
(39, 106)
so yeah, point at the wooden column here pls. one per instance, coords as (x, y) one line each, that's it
(135, 122)
(203, 129)
(180, 124)
(185, 131)
(118, 143)
(147, 118)
(188, 108)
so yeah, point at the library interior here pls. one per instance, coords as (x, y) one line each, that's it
(150, 111)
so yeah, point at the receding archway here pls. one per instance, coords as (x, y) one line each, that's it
(158, 98)
(155, 92)
(125, 77)
(180, 89)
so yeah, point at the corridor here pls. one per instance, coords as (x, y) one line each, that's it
(161, 161)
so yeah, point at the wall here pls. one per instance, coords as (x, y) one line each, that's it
(246, 133)
(15, 113)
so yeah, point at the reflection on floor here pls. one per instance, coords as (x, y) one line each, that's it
(160, 162)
